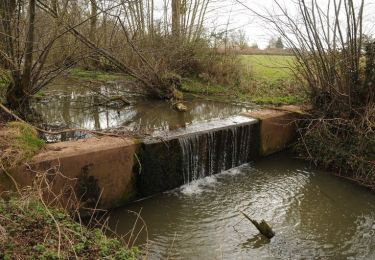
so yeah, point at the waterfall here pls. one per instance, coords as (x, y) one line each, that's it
(168, 160)
(211, 152)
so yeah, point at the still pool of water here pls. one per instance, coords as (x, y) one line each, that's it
(314, 214)
(67, 106)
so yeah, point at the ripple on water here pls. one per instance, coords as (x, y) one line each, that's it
(314, 215)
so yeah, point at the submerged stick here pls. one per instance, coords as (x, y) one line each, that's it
(263, 227)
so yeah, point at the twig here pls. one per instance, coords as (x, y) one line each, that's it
(11, 177)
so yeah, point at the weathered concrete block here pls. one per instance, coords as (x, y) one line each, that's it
(95, 168)
(278, 129)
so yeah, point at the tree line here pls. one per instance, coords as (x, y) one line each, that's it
(41, 39)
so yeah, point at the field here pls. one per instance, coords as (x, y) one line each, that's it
(269, 67)
(267, 79)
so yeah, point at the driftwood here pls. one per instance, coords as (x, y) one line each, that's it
(263, 227)
(180, 107)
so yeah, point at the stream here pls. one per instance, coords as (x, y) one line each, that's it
(314, 214)
(71, 106)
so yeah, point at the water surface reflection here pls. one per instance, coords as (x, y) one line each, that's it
(81, 108)
(315, 215)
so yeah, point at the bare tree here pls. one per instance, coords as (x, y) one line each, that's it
(19, 63)
(36, 54)
(337, 65)
(327, 42)
(25, 57)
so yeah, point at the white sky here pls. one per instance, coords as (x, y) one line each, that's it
(238, 17)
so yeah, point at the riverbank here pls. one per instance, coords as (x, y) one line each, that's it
(265, 80)
(29, 229)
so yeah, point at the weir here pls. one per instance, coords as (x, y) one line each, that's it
(215, 151)
(195, 152)
(120, 170)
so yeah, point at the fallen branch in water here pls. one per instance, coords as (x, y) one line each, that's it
(263, 227)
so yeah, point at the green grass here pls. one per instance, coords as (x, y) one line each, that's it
(271, 82)
(96, 75)
(196, 86)
(25, 138)
(32, 232)
(269, 67)
(40, 94)
(20, 144)
(278, 100)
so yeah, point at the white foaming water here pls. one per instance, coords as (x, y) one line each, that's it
(198, 186)
(235, 171)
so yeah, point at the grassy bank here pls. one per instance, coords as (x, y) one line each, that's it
(19, 142)
(266, 79)
(79, 73)
(30, 230)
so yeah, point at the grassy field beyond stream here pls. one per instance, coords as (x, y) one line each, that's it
(265, 79)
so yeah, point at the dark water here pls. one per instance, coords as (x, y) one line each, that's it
(67, 106)
(315, 216)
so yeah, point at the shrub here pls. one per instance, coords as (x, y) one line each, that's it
(346, 146)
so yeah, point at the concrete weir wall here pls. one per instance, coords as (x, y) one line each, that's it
(196, 152)
(115, 171)
(95, 169)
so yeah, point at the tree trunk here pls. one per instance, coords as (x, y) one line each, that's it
(19, 91)
(7, 8)
(17, 100)
(92, 35)
(176, 18)
(93, 20)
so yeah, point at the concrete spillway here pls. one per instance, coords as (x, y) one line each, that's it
(195, 152)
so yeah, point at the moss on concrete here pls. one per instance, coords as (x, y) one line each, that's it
(19, 143)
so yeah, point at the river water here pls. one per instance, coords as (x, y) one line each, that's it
(314, 214)
(70, 106)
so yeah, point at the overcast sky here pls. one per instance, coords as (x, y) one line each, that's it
(238, 17)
